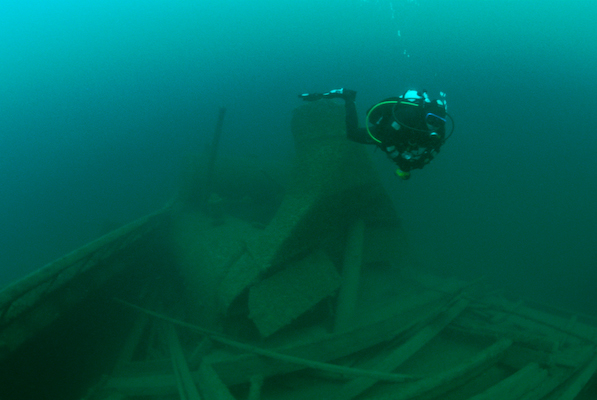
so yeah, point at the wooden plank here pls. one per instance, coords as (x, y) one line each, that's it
(517, 334)
(278, 300)
(211, 385)
(351, 275)
(34, 302)
(579, 382)
(381, 326)
(284, 358)
(441, 383)
(586, 324)
(573, 356)
(238, 369)
(557, 377)
(516, 385)
(255, 387)
(403, 352)
(144, 385)
(17, 289)
(558, 323)
(570, 327)
(131, 343)
(432, 387)
(184, 381)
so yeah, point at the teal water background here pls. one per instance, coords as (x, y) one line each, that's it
(101, 103)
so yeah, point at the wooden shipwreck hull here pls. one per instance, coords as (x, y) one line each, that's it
(321, 299)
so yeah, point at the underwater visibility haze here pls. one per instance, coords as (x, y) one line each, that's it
(104, 102)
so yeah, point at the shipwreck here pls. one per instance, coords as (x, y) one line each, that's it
(303, 288)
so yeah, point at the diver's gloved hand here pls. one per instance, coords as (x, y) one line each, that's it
(311, 96)
(346, 94)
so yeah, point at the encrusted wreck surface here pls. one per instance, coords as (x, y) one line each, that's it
(333, 184)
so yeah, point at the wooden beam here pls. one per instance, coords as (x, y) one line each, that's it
(211, 166)
(579, 382)
(404, 351)
(211, 385)
(351, 275)
(184, 381)
(516, 385)
(436, 385)
(324, 366)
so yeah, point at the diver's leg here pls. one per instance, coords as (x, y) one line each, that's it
(352, 119)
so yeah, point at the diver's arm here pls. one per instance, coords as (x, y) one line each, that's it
(353, 132)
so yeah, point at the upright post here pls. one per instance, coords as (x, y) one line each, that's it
(211, 166)
(351, 276)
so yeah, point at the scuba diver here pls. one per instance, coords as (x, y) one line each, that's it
(410, 128)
